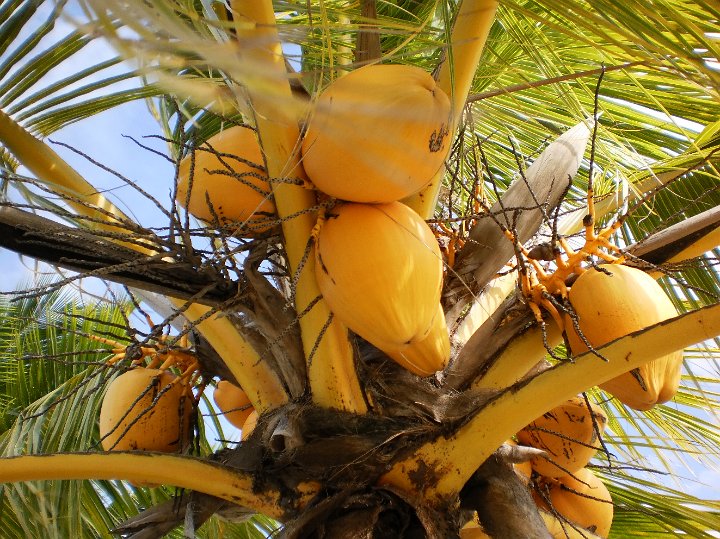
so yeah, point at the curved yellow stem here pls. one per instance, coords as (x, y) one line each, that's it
(521, 355)
(159, 468)
(455, 458)
(467, 42)
(262, 385)
(331, 370)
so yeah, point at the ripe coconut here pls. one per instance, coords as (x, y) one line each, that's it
(233, 403)
(567, 433)
(377, 134)
(428, 355)
(131, 420)
(235, 182)
(583, 500)
(611, 305)
(380, 270)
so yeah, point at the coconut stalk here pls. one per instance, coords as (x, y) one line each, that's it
(254, 375)
(331, 370)
(456, 457)
(185, 472)
(467, 42)
(260, 383)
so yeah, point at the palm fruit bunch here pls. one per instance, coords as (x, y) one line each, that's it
(378, 264)
(570, 435)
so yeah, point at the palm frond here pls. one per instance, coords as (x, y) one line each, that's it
(36, 86)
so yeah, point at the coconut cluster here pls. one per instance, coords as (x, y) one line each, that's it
(374, 137)
(561, 483)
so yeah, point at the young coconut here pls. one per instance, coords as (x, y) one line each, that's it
(233, 403)
(146, 410)
(235, 182)
(377, 134)
(568, 434)
(380, 270)
(583, 500)
(612, 302)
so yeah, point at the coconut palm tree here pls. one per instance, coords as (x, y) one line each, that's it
(576, 134)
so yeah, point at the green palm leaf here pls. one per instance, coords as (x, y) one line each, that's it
(31, 58)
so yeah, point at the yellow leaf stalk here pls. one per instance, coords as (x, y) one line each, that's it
(185, 472)
(707, 243)
(331, 371)
(521, 355)
(261, 384)
(455, 458)
(467, 41)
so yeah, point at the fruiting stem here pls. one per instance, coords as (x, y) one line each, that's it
(159, 468)
(467, 42)
(331, 371)
(521, 355)
(642, 182)
(455, 458)
(258, 381)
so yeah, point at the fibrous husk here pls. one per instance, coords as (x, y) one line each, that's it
(428, 355)
(568, 434)
(250, 423)
(377, 134)
(229, 171)
(380, 270)
(612, 302)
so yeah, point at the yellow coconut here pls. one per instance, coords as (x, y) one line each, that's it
(235, 182)
(429, 354)
(379, 269)
(378, 134)
(612, 305)
(233, 403)
(130, 419)
(583, 500)
(567, 434)
(249, 425)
